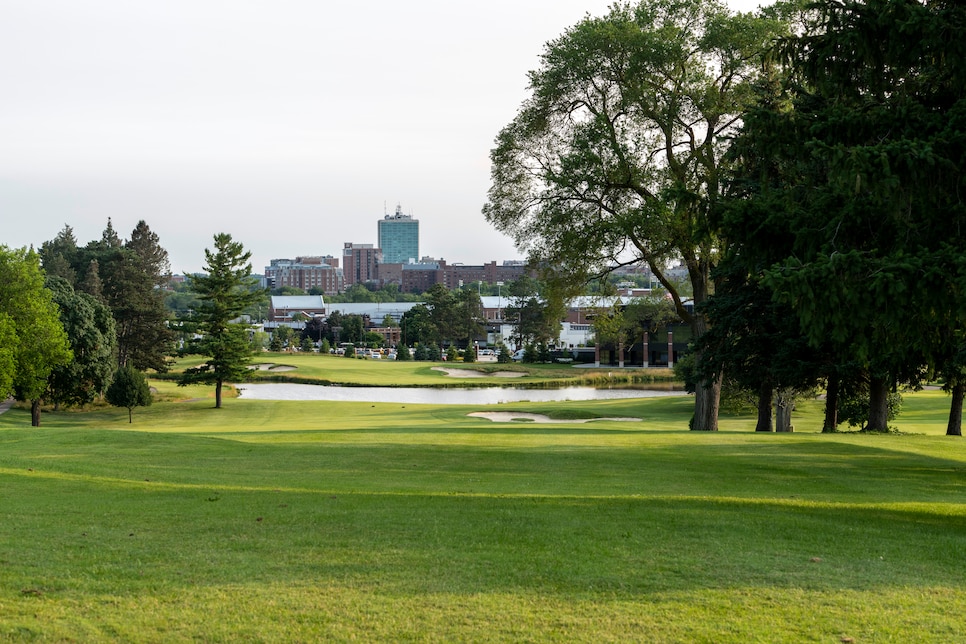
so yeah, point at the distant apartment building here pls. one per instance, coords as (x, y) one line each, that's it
(360, 263)
(452, 276)
(398, 238)
(306, 273)
(415, 277)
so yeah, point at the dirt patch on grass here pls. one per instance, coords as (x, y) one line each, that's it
(524, 417)
(472, 373)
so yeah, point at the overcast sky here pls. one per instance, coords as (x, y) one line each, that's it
(293, 125)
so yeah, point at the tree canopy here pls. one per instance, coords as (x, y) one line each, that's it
(616, 156)
(224, 292)
(34, 342)
(129, 277)
(851, 187)
(93, 340)
(129, 389)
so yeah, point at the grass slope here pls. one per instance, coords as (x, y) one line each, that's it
(298, 521)
(329, 369)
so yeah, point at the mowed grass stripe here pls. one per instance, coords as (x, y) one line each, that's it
(318, 521)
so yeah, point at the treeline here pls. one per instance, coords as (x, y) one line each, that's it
(73, 317)
(805, 163)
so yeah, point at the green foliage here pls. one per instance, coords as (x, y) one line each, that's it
(421, 353)
(503, 354)
(130, 277)
(530, 354)
(452, 353)
(470, 354)
(276, 344)
(363, 293)
(307, 344)
(350, 351)
(8, 354)
(854, 408)
(223, 292)
(851, 190)
(373, 339)
(259, 340)
(34, 340)
(403, 354)
(129, 389)
(543, 353)
(287, 290)
(537, 318)
(417, 327)
(91, 332)
(325, 347)
(604, 159)
(283, 335)
(447, 316)
(136, 296)
(353, 329)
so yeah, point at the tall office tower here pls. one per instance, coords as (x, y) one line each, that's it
(399, 238)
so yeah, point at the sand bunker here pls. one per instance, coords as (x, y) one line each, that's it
(515, 416)
(471, 373)
(270, 366)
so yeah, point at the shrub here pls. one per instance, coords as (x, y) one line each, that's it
(129, 389)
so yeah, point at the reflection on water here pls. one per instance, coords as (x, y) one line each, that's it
(429, 395)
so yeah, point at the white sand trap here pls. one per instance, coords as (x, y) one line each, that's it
(513, 416)
(472, 373)
(270, 366)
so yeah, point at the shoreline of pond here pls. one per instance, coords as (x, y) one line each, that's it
(463, 395)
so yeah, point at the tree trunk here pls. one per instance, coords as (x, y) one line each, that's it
(35, 413)
(707, 395)
(218, 394)
(955, 425)
(831, 405)
(878, 404)
(130, 415)
(784, 405)
(764, 407)
(707, 400)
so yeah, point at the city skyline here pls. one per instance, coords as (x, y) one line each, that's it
(285, 126)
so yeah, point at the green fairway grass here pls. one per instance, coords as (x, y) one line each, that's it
(317, 521)
(330, 369)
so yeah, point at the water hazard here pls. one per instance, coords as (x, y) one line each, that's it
(440, 396)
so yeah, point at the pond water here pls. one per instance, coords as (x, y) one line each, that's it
(439, 396)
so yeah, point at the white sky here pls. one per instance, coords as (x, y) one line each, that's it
(293, 125)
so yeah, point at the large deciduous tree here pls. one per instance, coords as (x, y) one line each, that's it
(32, 340)
(616, 156)
(224, 292)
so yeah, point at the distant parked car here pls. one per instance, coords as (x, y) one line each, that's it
(518, 355)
